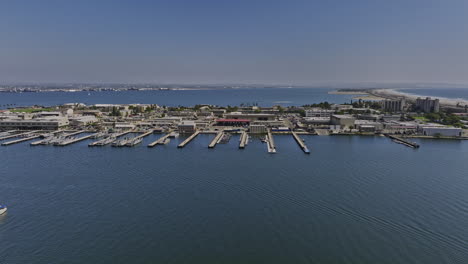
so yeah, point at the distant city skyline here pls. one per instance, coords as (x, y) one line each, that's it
(234, 42)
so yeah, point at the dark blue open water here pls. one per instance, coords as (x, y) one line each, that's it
(352, 200)
(224, 97)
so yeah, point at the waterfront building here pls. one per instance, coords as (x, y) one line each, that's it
(257, 129)
(251, 117)
(187, 127)
(428, 105)
(441, 131)
(394, 105)
(318, 112)
(82, 120)
(342, 120)
(316, 121)
(368, 126)
(398, 126)
(41, 123)
(232, 122)
(124, 125)
(371, 117)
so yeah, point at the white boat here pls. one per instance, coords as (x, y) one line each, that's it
(3, 209)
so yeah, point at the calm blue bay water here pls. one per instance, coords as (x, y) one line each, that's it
(264, 97)
(453, 93)
(352, 200)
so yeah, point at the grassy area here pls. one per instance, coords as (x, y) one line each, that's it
(31, 110)
(422, 118)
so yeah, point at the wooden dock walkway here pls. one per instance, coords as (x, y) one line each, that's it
(20, 140)
(270, 143)
(186, 141)
(160, 141)
(244, 140)
(147, 133)
(216, 139)
(71, 141)
(403, 141)
(19, 135)
(300, 142)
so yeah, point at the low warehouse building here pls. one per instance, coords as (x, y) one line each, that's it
(442, 131)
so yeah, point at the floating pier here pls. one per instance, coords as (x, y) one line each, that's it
(403, 141)
(244, 140)
(216, 139)
(103, 142)
(20, 140)
(160, 141)
(45, 138)
(147, 133)
(76, 133)
(185, 142)
(301, 143)
(124, 133)
(71, 141)
(19, 135)
(270, 143)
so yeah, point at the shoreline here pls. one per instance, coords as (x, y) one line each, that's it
(396, 94)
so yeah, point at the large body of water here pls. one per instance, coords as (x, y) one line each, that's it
(223, 97)
(352, 200)
(451, 93)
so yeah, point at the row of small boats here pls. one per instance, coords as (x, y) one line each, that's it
(127, 142)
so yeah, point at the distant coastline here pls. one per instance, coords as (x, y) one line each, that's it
(397, 93)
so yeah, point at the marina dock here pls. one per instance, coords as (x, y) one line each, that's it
(403, 141)
(20, 140)
(300, 142)
(123, 133)
(270, 143)
(160, 141)
(45, 138)
(74, 140)
(75, 133)
(147, 133)
(19, 135)
(244, 140)
(216, 139)
(105, 141)
(185, 142)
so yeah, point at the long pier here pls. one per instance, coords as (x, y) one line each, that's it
(403, 141)
(124, 133)
(216, 139)
(300, 142)
(270, 143)
(186, 141)
(20, 140)
(244, 140)
(147, 133)
(39, 142)
(160, 141)
(71, 141)
(19, 135)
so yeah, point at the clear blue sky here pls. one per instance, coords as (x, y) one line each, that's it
(215, 41)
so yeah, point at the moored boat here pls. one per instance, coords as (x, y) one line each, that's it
(3, 209)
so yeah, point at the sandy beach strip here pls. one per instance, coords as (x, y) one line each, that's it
(395, 94)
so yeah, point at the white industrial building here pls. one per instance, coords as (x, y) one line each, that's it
(41, 123)
(257, 129)
(318, 112)
(439, 130)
